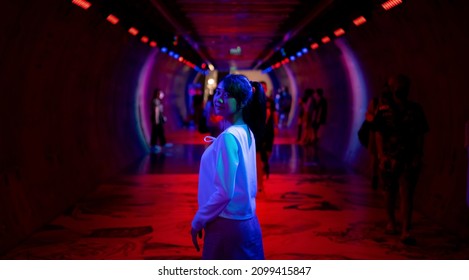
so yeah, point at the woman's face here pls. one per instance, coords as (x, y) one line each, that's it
(225, 105)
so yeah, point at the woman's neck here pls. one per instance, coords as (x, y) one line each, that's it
(237, 119)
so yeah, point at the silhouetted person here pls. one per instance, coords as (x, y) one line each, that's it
(301, 115)
(270, 122)
(307, 103)
(227, 177)
(379, 102)
(264, 143)
(198, 109)
(319, 113)
(400, 130)
(157, 122)
(284, 100)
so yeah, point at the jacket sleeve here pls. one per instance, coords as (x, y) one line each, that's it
(227, 161)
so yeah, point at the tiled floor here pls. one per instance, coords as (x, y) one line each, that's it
(313, 208)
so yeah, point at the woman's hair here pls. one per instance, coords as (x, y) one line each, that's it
(250, 97)
(238, 87)
(255, 113)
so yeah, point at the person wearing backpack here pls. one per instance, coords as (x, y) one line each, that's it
(366, 135)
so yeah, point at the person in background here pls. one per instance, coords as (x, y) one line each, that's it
(400, 130)
(307, 103)
(284, 100)
(319, 113)
(227, 176)
(380, 102)
(266, 145)
(157, 122)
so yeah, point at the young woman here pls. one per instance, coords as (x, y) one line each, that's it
(227, 176)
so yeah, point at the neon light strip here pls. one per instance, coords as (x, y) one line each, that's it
(133, 31)
(112, 19)
(82, 3)
(359, 21)
(339, 32)
(325, 39)
(391, 4)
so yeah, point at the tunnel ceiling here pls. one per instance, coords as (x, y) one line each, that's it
(237, 34)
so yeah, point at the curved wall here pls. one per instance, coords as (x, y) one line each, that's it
(67, 108)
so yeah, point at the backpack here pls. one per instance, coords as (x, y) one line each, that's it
(364, 133)
(365, 128)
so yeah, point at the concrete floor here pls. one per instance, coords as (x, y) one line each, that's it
(312, 208)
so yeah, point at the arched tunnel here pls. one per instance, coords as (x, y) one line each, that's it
(75, 104)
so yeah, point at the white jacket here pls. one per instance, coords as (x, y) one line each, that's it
(227, 178)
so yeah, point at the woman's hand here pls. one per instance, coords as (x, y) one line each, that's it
(194, 234)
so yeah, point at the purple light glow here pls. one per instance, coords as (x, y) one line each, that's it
(142, 108)
(359, 95)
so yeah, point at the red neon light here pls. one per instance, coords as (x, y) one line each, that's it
(314, 46)
(82, 3)
(339, 32)
(181, 59)
(359, 21)
(144, 39)
(112, 19)
(204, 65)
(326, 39)
(133, 31)
(391, 4)
(152, 44)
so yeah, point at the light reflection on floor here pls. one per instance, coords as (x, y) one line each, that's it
(312, 208)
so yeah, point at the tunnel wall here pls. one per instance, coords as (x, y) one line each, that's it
(426, 41)
(67, 109)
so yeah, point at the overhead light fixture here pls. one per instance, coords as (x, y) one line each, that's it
(339, 32)
(112, 19)
(391, 4)
(325, 39)
(82, 3)
(359, 20)
(133, 31)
